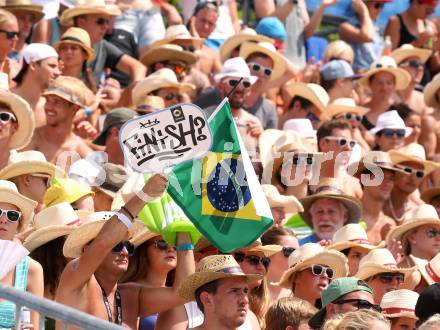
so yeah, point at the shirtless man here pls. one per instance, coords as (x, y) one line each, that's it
(90, 282)
(40, 68)
(65, 96)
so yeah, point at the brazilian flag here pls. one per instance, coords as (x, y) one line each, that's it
(220, 193)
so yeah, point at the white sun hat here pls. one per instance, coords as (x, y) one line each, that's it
(392, 120)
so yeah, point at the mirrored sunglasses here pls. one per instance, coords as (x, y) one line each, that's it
(10, 34)
(319, 270)
(11, 215)
(388, 132)
(121, 245)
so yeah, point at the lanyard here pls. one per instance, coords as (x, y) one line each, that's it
(118, 306)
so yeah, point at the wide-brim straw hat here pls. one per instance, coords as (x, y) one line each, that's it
(267, 48)
(266, 250)
(311, 92)
(430, 270)
(24, 6)
(372, 160)
(245, 35)
(430, 194)
(163, 78)
(290, 204)
(344, 105)
(168, 52)
(379, 261)
(27, 162)
(88, 7)
(408, 51)
(424, 214)
(210, 269)
(330, 188)
(142, 235)
(71, 89)
(178, 33)
(399, 303)
(413, 152)
(386, 64)
(22, 111)
(92, 225)
(349, 236)
(53, 222)
(77, 36)
(313, 254)
(9, 194)
(430, 92)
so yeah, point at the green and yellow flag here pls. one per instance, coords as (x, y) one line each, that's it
(220, 193)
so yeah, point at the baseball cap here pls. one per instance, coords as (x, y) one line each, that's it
(337, 69)
(114, 117)
(36, 52)
(271, 27)
(428, 303)
(336, 289)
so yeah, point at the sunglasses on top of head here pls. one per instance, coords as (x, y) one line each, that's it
(10, 34)
(11, 215)
(258, 67)
(252, 259)
(121, 245)
(6, 117)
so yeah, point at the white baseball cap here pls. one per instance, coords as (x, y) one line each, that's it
(36, 52)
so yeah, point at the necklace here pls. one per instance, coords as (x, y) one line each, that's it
(108, 308)
(393, 213)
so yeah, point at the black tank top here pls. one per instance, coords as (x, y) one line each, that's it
(405, 36)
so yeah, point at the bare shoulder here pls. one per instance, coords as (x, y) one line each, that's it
(34, 267)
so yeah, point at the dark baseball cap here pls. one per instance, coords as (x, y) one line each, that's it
(115, 117)
(335, 290)
(428, 303)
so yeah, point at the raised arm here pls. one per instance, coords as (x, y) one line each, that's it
(265, 8)
(315, 21)
(365, 33)
(135, 69)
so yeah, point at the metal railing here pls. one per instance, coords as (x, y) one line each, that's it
(45, 307)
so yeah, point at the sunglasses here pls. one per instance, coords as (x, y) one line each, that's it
(191, 49)
(388, 132)
(45, 177)
(359, 304)
(234, 82)
(342, 142)
(312, 117)
(409, 170)
(177, 68)
(297, 160)
(258, 67)
(378, 5)
(6, 117)
(388, 277)
(287, 251)
(432, 233)
(319, 270)
(10, 34)
(412, 63)
(121, 245)
(11, 215)
(102, 21)
(160, 244)
(252, 259)
(171, 96)
(352, 116)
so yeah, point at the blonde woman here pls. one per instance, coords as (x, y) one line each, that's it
(8, 38)
(364, 319)
(339, 50)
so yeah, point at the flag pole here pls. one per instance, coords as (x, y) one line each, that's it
(224, 101)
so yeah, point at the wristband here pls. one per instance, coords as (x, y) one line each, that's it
(185, 247)
(128, 212)
(88, 111)
(124, 219)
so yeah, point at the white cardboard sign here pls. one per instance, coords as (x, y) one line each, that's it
(165, 138)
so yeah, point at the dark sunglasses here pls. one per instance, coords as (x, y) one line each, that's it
(191, 49)
(378, 5)
(121, 245)
(342, 142)
(388, 132)
(388, 277)
(409, 170)
(10, 34)
(11, 215)
(350, 116)
(360, 304)
(172, 96)
(7, 116)
(287, 251)
(252, 259)
(412, 63)
(319, 270)
(234, 82)
(257, 68)
(432, 232)
(296, 160)
(160, 244)
(102, 21)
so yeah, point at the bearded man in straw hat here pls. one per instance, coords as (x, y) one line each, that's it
(90, 282)
(211, 285)
(64, 97)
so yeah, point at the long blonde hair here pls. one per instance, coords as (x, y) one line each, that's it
(259, 301)
(361, 320)
(6, 16)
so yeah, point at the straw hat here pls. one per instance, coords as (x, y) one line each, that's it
(163, 78)
(77, 36)
(311, 92)
(245, 35)
(399, 303)
(149, 103)
(267, 48)
(167, 52)
(68, 88)
(424, 214)
(266, 250)
(115, 177)
(290, 204)
(390, 119)
(142, 235)
(9, 194)
(349, 236)
(386, 64)
(210, 269)
(92, 225)
(343, 105)
(26, 6)
(372, 160)
(331, 188)
(51, 223)
(429, 194)
(430, 270)
(65, 190)
(27, 162)
(407, 51)
(430, 92)
(413, 152)
(88, 7)
(379, 261)
(310, 254)
(22, 111)
(178, 33)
